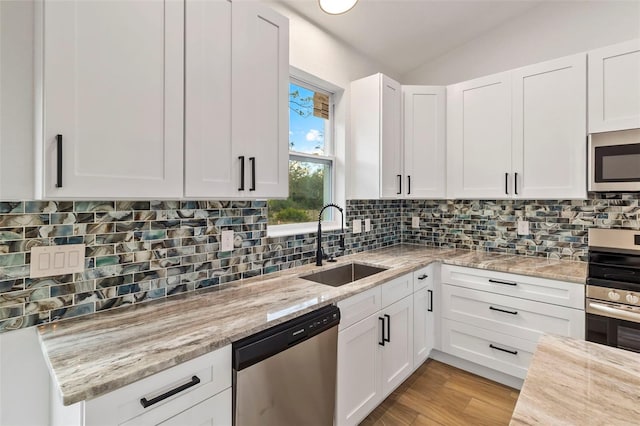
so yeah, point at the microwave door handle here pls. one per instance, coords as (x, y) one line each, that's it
(606, 310)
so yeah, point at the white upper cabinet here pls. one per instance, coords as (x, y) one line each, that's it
(519, 134)
(614, 87)
(210, 167)
(260, 102)
(549, 129)
(112, 99)
(409, 161)
(479, 137)
(236, 106)
(376, 138)
(424, 141)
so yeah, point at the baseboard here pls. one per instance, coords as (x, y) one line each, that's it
(480, 370)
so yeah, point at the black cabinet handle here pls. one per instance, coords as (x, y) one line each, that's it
(388, 327)
(503, 350)
(399, 184)
(430, 301)
(515, 183)
(59, 161)
(502, 282)
(422, 277)
(253, 173)
(241, 158)
(147, 403)
(382, 331)
(506, 183)
(408, 184)
(503, 310)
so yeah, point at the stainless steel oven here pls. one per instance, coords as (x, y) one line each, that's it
(613, 288)
(614, 161)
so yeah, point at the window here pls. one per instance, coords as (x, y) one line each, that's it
(311, 161)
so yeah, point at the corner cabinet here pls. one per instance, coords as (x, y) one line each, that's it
(424, 314)
(614, 87)
(519, 134)
(153, 99)
(112, 99)
(398, 134)
(236, 128)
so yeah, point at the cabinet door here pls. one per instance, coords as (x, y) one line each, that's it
(113, 90)
(359, 389)
(260, 121)
(215, 411)
(479, 138)
(210, 168)
(397, 353)
(391, 176)
(614, 87)
(424, 141)
(423, 325)
(550, 129)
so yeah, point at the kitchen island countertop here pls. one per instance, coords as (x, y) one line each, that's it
(574, 382)
(98, 353)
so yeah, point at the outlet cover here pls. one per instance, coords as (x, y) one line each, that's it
(367, 225)
(415, 222)
(523, 227)
(56, 260)
(356, 226)
(226, 244)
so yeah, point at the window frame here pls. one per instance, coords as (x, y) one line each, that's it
(300, 78)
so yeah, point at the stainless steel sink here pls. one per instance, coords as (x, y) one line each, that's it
(344, 274)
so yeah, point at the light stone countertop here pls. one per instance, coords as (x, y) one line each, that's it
(574, 382)
(95, 354)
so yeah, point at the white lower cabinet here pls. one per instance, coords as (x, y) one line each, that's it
(375, 351)
(424, 314)
(495, 319)
(203, 397)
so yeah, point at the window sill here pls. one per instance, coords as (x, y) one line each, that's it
(300, 228)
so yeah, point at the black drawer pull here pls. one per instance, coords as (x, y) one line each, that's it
(388, 327)
(382, 328)
(59, 160)
(502, 282)
(241, 158)
(503, 350)
(253, 173)
(194, 381)
(422, 277)
(503, 310)
(430, 301)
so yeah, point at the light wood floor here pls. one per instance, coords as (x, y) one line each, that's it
(438, 394)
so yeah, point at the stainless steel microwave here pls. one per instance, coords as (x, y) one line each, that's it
(614, 161)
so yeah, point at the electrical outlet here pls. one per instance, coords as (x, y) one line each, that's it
(48, 261)
(523, 227)
(356, 226)
(367, 225)
(226, 244)
(415, 222)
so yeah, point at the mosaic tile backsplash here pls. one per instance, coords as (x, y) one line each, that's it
(143, 250)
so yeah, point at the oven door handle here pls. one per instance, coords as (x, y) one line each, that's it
(607, 310)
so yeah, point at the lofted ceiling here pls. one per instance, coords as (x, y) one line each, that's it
(404, 34)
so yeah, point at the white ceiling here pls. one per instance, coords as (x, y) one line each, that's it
(404, 34)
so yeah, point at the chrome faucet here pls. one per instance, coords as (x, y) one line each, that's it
(319, 251)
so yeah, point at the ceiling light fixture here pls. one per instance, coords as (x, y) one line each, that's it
(336, 7)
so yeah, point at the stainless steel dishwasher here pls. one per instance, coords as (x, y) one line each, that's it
(286, 375)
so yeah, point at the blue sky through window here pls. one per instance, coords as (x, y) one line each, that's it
(305, 131)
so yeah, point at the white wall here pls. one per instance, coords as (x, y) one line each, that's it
(548, 31)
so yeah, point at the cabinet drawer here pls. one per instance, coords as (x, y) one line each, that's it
(532, 288)
(423, 277)
(510, 315)
(508, 354)
(358, 307)
(397, 289)
(213, 371)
